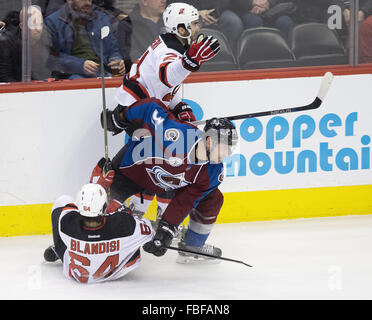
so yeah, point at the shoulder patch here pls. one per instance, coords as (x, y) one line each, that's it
(171, 134)
(220, 177)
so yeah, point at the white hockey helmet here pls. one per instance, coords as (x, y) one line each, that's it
(179, 13)
(92, 200)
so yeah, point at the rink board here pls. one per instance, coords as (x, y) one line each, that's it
(307, 164)
(238, 207)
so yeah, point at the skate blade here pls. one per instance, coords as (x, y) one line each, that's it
(196, 260)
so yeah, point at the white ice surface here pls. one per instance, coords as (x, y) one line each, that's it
(320, 258)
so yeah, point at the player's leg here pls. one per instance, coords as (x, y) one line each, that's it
(202, 220)
(122, 187)
(56, 250)
(140, 202)
(163, 201)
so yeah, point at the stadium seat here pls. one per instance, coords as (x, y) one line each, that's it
(263, 48)
(225, 59)
(316, 44)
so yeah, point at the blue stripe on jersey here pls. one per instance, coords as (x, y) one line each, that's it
(215, 173)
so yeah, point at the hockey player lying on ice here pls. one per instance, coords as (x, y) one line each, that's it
(95, 246)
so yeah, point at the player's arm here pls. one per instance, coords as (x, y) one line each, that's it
(177, 210)
(181, 205)
(171, 74)
(62, 206)
(171, 70)
(137, 232)
(146, 113)
(144, 231)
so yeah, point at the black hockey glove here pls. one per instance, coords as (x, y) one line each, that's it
(183, 112)
(162, 239)
(114, 123)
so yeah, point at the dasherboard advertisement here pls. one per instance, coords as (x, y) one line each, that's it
(325, 147)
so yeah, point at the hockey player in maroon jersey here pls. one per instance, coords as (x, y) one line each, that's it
(164, 154)
(95, 246)
(161, 70)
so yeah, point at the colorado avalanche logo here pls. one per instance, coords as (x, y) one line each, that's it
(171, 134)
(166, 180)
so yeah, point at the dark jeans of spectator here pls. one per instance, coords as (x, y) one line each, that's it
(231, 25)
(283, 23)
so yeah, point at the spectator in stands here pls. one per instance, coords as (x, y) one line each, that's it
(314, 11)
(218, 14)
(75, 30)
(10, 49)
(7, 6)
(364, 9)
(317, 11)
(232, 17)
(266, 13)
(126, 5)
(53, 6)
(122, 26)
(365, 35)
(147, 24)
(106, 5)
(120, 21)
(11, 46)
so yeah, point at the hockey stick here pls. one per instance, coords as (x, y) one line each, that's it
(104, 33)
(323, 89)
(208, 255)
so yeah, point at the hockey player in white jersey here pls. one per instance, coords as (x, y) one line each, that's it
(162, 68)
(159, 73)
(95, 246)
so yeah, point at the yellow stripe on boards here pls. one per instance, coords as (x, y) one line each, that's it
(25, 220)
(296, 203)
(238, 207)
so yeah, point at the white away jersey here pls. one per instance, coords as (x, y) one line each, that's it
(102, 254)
(158, 73)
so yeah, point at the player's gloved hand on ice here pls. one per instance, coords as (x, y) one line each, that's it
(103, 174)
(199, 52)
(183, 112)
(114, 122)
(162, 239)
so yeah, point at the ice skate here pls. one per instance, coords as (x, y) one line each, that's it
(206, 249)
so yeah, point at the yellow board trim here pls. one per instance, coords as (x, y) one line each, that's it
(35, 219)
